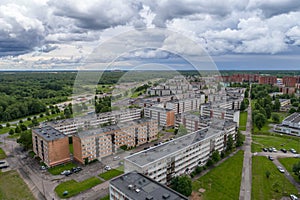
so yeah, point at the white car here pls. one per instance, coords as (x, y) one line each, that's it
(280, 169)
(293, 197)
(107, 168)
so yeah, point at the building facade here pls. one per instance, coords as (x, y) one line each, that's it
(290, 125)
(51, 146)
(165, 117)
(179, 156)
(98, 143)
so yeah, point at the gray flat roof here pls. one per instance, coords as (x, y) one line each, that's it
(293, 118)
(118, 126)
(155, 153)
(140, 187)
(49, 133)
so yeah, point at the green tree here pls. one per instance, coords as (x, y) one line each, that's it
(215, 156)
(259, 120)
(292, 110)
(7, 124)
(181, 131)
(11, 132)
(268, 110)
(268, 174)
(23, 127)
(25, 139)
(243, 106)
(275, 118)
(182, 184)
(18, 129)
(229, 143)
(239, 139)
(276, 105)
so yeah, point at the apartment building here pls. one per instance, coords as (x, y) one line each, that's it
(192, 122)
(290, 125)
(136, 186)
(290, 81)
(50, 145)
(217, 112)
(101, 142)
(178, 156)
(186, 105)
(165, 117)
(71, 126)
(271, 80)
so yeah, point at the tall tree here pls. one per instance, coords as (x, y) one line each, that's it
(182, 184)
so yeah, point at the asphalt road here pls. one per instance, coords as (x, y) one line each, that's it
(246, 183)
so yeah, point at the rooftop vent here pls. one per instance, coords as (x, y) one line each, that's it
(137, 190)
(130, 187)
(149, 197)
(166, 196)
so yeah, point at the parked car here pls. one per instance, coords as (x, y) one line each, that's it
(43, 167)
(280, 169)
(68, 173)
(65, 172)
(271, 158)
(293, 151)
(293, 197)
(274, 150)
(107, 168)
(265, 149)
(283, 150)
(270, 149)
(116, 158)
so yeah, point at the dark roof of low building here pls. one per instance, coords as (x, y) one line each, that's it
(49, 133)
(140, 187)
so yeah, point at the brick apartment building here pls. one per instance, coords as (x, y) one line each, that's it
(164, 116)
(50, 145)
(98, 143)
(290, 81)
(271, 80)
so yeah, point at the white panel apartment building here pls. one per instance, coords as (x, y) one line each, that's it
(290, 125)
(178, 156)
(70, 126)
(220, 113)
(186, 105)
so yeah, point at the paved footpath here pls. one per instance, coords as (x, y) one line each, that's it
(246, 183)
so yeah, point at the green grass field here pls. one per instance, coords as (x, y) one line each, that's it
(13, 187)
(105, 198)
(288, 164)
(110, 174)
(243, 121)
(73, 187)
(274, 187)
(58, 169)
(222, 182)
(2, 154)
(71, 148)
(276, 141)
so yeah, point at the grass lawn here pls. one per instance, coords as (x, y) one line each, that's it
(71, 148)
(277, 141)
(13, 187)
(274, 187)
(288, 164)
(73, 187)
(110, 174)
(2, 154)
(256, 147)
(4, 130)
(243, 121)
(222, 182)
(58, 169)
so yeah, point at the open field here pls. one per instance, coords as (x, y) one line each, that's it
(223, 181)
(243, 121)
(58, 169)
(73, 187)
(111, 174)
(274, 187)
(13, 187)
(277, 141)
(288, 164)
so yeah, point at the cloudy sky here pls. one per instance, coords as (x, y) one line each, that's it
(76, 34)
